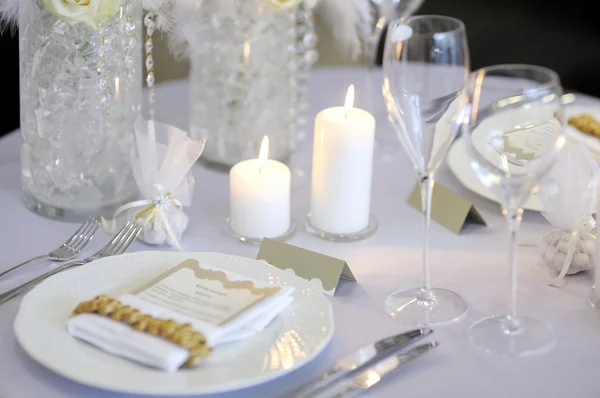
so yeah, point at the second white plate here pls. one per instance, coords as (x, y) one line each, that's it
(458, 162)
(593, 143)
(458, 159)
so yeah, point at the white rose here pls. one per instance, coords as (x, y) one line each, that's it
(91, 12)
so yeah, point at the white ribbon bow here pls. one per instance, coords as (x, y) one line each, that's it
(154, 211)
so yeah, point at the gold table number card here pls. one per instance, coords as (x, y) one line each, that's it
(448, 208)
(203, 294)
(322, 271)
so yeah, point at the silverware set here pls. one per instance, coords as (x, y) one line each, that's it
(71, 248)
(362, 369)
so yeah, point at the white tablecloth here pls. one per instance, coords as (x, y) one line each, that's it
(472, 263)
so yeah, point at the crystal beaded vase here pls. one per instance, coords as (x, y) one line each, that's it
(80, 96)
(249, 66)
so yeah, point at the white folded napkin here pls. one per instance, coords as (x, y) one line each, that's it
(120, 339)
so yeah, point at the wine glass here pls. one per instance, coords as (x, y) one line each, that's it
(382, 12)
(426, 64)
(513, 124)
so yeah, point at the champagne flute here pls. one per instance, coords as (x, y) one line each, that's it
(513, 125)
(426, 65)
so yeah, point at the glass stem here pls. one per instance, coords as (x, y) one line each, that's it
(513, 218)
(369, 60)
(427, 184)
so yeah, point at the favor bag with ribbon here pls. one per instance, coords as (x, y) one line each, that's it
(568, 196)
(161, 169)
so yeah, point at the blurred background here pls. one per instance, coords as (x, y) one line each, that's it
(563, 36)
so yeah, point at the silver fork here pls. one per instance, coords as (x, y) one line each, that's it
(68, 250)
(118, 245)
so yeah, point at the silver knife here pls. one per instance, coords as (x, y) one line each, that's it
(353, 385)
(364, 356)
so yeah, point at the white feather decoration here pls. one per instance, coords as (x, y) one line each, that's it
(347, 20)
(10, 10)
(163, 10)
(183, 13)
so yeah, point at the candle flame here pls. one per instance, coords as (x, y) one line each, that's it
(263, 155)
(117, 87)
(246, 51)
(349, 99)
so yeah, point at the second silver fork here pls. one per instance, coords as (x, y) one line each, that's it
(118, 245)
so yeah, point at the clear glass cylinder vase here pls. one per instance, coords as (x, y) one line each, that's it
(248, 78)
(80, 96)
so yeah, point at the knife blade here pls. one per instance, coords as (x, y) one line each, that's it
(353, 385)
(364, 356)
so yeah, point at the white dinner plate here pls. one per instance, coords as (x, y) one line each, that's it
(593, 143)
(458, 162)
(293, 339)
(458, 159)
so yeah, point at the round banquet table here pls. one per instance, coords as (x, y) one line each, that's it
(473, 263)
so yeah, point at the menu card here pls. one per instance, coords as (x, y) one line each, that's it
(223, 306)
(206, 295)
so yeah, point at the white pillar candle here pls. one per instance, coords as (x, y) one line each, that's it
(260, 196)
(342, 168)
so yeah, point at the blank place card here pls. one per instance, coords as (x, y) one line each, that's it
(322, 271)
(448, 208)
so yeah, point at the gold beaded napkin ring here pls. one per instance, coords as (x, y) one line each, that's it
(180, 334)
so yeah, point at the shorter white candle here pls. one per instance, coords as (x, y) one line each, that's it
(342, 168)
(260, 196)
